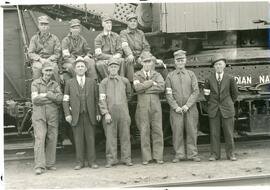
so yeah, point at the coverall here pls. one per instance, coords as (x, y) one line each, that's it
(45, 121)
(182, 89)
(148, 113)
(114, 94)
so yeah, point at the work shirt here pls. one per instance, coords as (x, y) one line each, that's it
(136, 42)
(148, 93)
(181, 88)
(75, 46)
(45, 106)
(106, 45)
(46, 46)
(114, 91)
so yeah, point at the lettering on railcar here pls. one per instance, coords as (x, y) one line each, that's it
(247, 80)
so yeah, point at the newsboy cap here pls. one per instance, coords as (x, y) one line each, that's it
(105, 18)
(216, 58)
(43, 19)
(79, 59)
(131, 15)
(74, 22)
(114, 61)
(47, 65)
(146, 56)
(179, 54)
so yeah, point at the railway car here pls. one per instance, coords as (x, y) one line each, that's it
(238, 30)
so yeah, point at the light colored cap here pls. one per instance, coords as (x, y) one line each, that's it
(179, 54)
(75, 22)
(43, 19)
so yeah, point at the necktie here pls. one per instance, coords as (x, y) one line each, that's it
(219, 78)
(147, 76)
(81, 82)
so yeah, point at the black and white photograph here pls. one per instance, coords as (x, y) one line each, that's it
(135, 94)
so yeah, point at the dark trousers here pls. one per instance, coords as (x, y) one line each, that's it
(227, 125)
(84, 136)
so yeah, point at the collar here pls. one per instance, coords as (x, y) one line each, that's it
(114, 77)
(39, 34)
(44, 82)
(131, 31)
(221, 75)
(79, 78)
(182, 71)
(70, 35)
(149, 73)
(105, 33)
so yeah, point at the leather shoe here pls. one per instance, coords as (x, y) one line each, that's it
(51, 168)
(78, 167)
(196, 159)
(108, 165)
(145, 163)
(38, 171)
(94, 166)
(175, 160)
(212, 158)
(233, 158)
(129, 164)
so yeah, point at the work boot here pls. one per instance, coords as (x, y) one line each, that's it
(51, 168)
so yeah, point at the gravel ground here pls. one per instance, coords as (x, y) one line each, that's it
(253, 159)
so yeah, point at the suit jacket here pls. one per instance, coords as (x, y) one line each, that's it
(71, 100)
(223, 99)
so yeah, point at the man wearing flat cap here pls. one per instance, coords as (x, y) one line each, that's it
(114, 92)
(181, 92)
(46, 97)
(44, 47)
(221, 92)
(107, 46)
(149, 84)
(80, 105)
(73, 46)
(133, 44)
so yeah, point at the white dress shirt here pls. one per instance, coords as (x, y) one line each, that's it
(221, 76)
(79, 80)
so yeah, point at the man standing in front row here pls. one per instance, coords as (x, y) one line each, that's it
(44, 47)
(114, 92)
(81, 111)
(181, 92)
(75, 45)
(221, 92)
(149, 84)
(46, 95)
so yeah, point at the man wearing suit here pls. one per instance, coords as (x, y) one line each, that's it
(221, 92)
(80, 104)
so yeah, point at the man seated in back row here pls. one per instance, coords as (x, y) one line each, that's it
(44, 47)
(107, 46)
(73, 46)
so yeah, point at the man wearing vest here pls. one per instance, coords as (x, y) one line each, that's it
(80, 104)
(181, 92)
(149, 84)
(114, 93)
(221, 92)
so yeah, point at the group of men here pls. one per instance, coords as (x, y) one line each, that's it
(85, 102)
